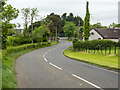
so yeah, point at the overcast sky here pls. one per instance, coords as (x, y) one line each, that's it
(104, 11)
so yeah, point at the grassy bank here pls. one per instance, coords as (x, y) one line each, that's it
(101, 60)
(8, 60)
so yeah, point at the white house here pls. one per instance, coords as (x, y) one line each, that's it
(100, 33)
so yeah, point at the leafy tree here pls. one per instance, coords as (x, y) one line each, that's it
(112, 25)
(41, 34)
(70, 17)
(69, 29)
(78, 21)
(26, 17)
(54, 22)
(34, 13)
(63, 17)
(87, 23)
(8, 13)
(98, 25)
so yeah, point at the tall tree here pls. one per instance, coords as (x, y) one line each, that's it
(8, 13)
(64, 16)
(69, 29)
(87, 23)
(70, 17)
(26, 17)
(34, 13)
(55, 27)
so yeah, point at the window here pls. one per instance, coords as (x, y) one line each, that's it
(92, 33)
(99, 38)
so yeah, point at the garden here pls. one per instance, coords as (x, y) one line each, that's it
(98, 52)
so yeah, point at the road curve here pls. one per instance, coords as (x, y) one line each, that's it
(49, 68)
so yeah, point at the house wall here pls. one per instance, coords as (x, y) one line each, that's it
(95, 36)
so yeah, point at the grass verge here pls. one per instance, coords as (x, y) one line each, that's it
(8, 60)
(100, 60)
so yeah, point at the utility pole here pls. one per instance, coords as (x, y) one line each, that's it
(56, 32)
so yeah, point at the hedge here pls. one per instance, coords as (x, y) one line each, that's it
(77, 45)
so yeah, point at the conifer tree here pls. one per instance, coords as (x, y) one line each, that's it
(87, 23)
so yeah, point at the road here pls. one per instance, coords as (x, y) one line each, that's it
(49, 68)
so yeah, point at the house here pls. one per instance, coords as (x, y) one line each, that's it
(100, 33)
(19, 31)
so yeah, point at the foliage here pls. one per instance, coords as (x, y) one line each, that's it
(98, 25)
(41, 34)
(69, 29)
(34, 13)
(87, 24)
(26, 16)
(94, 44)
(54, 24)
(8, 13)
(75, 43)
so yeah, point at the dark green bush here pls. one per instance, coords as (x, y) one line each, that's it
(75, 40)
(93, 44)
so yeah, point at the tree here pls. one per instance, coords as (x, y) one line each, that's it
(112, 25)
(69, 29)
(63, 17)
(87, 23)
(70, 17)
(8, 13)
(98, 25)
(34, 13)
(78, 21)
(26, 16)
(54, 22)
(41, 34)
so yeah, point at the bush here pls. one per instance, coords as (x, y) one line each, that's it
(75, 40)
(93, 44)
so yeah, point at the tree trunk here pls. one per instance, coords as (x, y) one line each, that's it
(32, 29)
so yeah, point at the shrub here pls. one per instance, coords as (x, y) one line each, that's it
(75, 40)
(93, 44)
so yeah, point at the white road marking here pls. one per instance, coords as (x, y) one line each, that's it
(45, 59)
(86, 81)
(56, 66)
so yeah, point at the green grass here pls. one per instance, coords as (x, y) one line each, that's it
(8, 62)
(101, 60)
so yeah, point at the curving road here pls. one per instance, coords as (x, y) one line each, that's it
(49, 68)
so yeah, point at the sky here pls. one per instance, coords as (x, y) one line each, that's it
(104, 11)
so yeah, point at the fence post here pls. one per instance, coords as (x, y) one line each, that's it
(86, 49)
(94, 50)
(98, 50)
(105, 50)
(101, 49)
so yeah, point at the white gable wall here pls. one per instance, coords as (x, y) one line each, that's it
(95, 36)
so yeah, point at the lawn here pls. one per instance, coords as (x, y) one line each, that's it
(109, 61)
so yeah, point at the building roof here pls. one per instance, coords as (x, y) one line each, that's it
(108, 33)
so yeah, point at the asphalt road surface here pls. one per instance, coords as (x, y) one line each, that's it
(49, 68)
